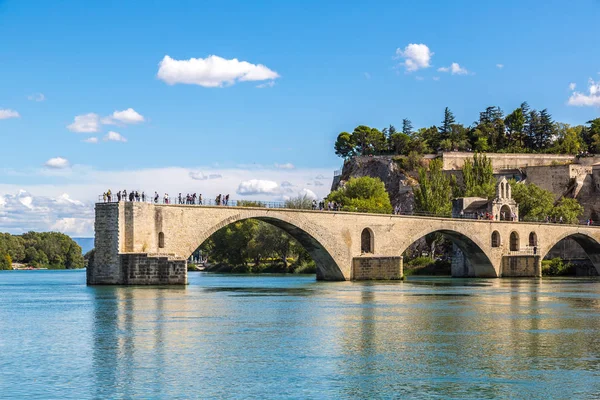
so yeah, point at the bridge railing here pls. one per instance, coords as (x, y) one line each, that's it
(319, 207)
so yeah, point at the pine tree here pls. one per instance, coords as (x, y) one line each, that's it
(446, 127)
(407, 127)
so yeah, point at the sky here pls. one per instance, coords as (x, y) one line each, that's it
(247, 98)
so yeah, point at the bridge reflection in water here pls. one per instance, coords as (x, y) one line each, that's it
(248, 336)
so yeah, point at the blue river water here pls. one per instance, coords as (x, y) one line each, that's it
(272, 336)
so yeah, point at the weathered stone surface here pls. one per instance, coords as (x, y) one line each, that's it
(332, 238)
(377, 268)
(525, 265)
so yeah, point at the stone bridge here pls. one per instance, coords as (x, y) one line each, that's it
(140, 243)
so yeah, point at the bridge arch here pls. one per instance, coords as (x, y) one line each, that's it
(477, 262)
(589, 244)
(328, 268)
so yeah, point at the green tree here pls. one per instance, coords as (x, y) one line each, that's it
(569, 209)
(515, 127)
(434, 193)
(478, 177)
(299, 202)
(570, 139)
(363, 194)
(5, 262)
(344, 145)
(446, 127)
(535, 203)
(407, 127)
(400, 143)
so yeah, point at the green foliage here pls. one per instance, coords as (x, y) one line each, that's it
(524, 130)
(556, 267)
(302, 202)
(478, 177)
(569, 210)
(46, 249)
(253, 246)
(535, 204)
(365, 194)
(434, 193)
(5, 262)
(344, 145)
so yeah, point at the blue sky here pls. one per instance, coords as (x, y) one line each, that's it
(328, 66)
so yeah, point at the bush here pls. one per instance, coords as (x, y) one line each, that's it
(306, 268)
(556, 267)
(420, 261)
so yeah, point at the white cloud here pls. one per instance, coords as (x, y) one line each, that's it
(129, 116)
(266, 85)
(499, 66)
(6, 113)
(454, 69)
(86, 123)
(587, 100)
(113, 136)
(212, 71)
(321, 177)
(308, 193)
(37, 97)
(416, 56)
(91, 140)
(23, 212)
(572, 86)
(419, 78)
(57, 163)
(319, 183)
(436, 78)
(285, 166)
(199, 176)
(286, 184)
(259, 187)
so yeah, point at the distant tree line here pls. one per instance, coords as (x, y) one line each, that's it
(524, 130)
(46, 249)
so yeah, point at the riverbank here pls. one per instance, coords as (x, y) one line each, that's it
(266, 268)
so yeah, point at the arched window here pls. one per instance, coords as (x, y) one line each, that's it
(514, 241)
(495, 239)
(532, 239)
(161, 240)
(505, 213)
(366, 241)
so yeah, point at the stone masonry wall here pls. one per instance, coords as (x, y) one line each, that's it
(142, 269)
(524, 266)
(106, 269)
(377, 268)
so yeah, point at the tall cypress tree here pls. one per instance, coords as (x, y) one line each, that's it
(446, 127)
(407, 127)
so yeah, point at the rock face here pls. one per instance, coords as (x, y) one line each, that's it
(398, 183)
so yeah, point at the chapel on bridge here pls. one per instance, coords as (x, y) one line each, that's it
(501, 208)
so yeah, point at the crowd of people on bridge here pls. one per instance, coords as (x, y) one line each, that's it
(136, 196)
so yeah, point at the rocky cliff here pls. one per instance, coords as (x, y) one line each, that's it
(398, 182)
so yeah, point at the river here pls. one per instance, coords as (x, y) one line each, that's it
(248, 336)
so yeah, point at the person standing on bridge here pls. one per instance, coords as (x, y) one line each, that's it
(143, 197)
(227, 199)
(118, 196)
(155, 197)
(200, 199)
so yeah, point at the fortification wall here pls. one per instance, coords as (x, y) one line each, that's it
(500, 161)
